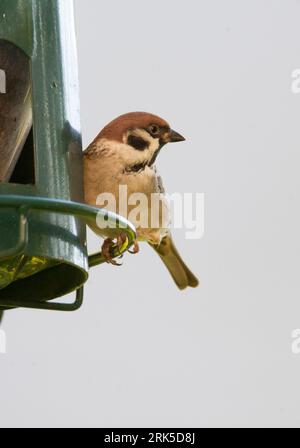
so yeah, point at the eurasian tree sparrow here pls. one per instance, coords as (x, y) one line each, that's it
(124, 153)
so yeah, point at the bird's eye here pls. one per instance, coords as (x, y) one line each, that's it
(154, 129)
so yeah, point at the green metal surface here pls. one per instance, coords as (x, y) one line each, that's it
(16, 23)
(19, 293)
(54, 261)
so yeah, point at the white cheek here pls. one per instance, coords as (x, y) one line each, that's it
(133, 156)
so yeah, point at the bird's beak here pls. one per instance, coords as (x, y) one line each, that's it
(174, 137)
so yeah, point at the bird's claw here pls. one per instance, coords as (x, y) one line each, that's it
(136, 248)
(107, 251)
(121, 241)
(109, 246)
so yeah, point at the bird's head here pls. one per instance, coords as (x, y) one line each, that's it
(143, 133)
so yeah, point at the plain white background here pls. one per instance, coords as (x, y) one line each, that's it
(141, 353)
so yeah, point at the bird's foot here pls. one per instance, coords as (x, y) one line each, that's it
(136, 248)
(107, 251)
(109, 246)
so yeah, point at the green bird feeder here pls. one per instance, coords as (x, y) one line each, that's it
(43, 252)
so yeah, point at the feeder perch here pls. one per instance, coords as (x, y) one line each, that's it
(43, 220)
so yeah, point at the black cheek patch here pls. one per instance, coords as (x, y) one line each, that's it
(137, 142)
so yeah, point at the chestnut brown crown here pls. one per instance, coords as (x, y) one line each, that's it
(155, 125)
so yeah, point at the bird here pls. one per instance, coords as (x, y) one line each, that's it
(125, 153)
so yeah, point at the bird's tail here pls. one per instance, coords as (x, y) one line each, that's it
(181, 274)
